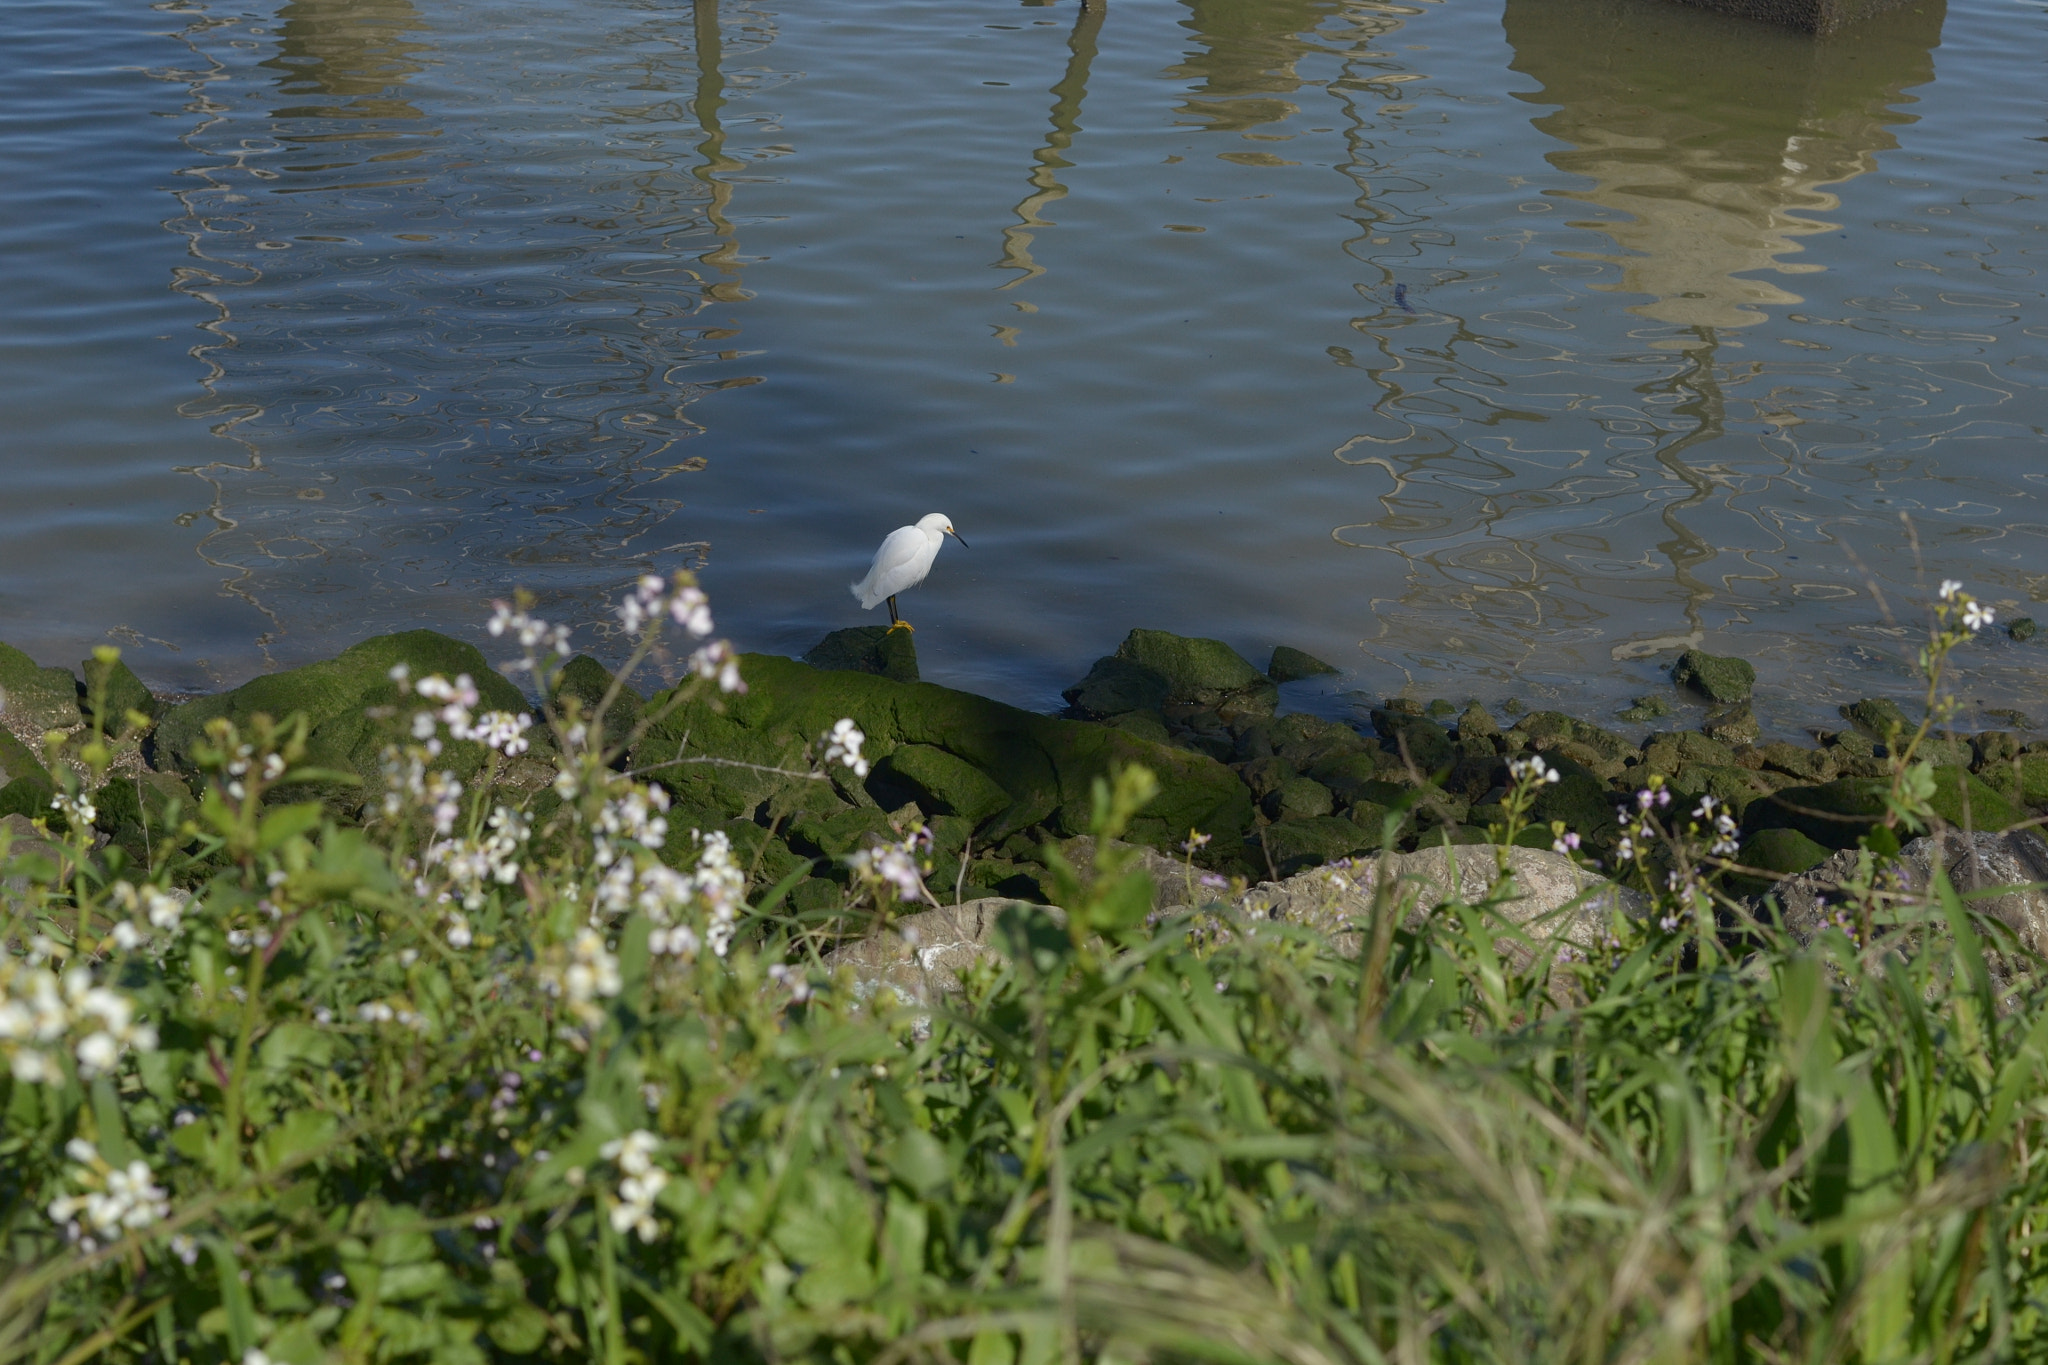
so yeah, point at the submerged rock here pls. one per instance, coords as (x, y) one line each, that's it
(44, 698)
(1292, 665)
(2023, 629)
(1720, 679)
(878, 650)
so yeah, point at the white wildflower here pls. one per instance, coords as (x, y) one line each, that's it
(842, 745)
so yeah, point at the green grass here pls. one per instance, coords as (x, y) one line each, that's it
(1197, 1140)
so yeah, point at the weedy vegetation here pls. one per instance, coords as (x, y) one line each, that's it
(514, 1077)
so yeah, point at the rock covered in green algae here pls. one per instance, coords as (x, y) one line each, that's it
(1645, 709)
(1299, 844)
(939, 782)
(1552, 732)
(1115, 687)
(878, 650)
(1719, 679)
(1780, 852)
(587, 680)
(1292, 665)
(1416, 739)
(1878, 718)
(1734, 725)
(334, 695)
(2023, 629)
(46, 698)
(1045, 767)
(133, 811)
(118, 691)
(25, 786)
(1298, 798)
(1841, 812)
(1198, 672)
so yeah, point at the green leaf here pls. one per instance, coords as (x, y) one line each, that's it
(285, 823)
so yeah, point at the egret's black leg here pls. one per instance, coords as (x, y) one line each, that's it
(897, 622)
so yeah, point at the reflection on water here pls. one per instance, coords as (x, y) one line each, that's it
(1051, 158)
(1717, 141)
(1248, 59)
(349, 57)
(1629, 326)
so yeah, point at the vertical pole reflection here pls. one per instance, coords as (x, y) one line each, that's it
(1050, 158)
(1701, 399)
(709, 100)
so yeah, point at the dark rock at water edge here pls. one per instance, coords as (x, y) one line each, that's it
(1718, 679)
(1878, 718)
(878, 650)
(334, 695)
(2023, 629)
(1292, 665)
(45, 698)
(1196, 671)
(1116, 687)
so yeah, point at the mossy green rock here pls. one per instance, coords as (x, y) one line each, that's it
(18, 760)
(835, 836)
(1046, 767)
(1808, 765)
(1197, 671)
(1298, 845)
(587, 680)
(1670, 753)
(1299, 798)
(1715, 677)
(1292, 665)
(29, 796)
(1302, 741)
(1732, 786)
(878, 650)
(46, 698)
(333, 695)
(118, 691)
(1115, 687)
(1877, 718)
(1786, 852)
(1420, 740)
(1579, 798)
(1841, 812)
(939, 782)
(139, 812)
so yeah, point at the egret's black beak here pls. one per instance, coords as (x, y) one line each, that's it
(957, 536)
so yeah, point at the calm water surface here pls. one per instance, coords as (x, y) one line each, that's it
(1484, 347)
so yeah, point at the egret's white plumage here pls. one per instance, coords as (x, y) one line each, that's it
(903, 561)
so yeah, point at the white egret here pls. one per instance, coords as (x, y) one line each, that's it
(902, 562)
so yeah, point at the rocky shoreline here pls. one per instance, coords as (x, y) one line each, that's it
(1276, 794)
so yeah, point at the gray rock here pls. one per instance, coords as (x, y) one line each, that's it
(1551, 896)
(921, 956)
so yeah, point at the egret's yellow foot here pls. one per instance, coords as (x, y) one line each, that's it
(901, 625)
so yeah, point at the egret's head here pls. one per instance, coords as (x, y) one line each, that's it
(938, 523)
